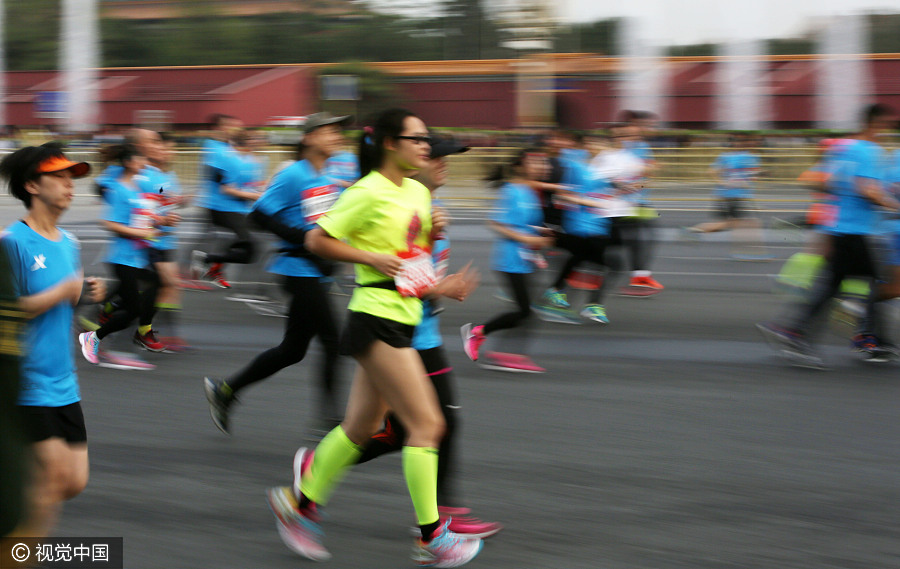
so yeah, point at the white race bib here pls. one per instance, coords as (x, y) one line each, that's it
(416, 274)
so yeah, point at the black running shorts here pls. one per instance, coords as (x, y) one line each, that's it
(361, 329)
(160, 256)
(731, 208)
(42, 423)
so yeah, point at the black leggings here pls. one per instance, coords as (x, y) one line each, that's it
(849, 255)
(393, 436)
(636, 237)
(240, 251)
(583, 249)
(310, 314)
(137, 289)
(518, 284)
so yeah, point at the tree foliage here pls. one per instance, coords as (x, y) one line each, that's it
(376, 91)
(31, 34)
(454, 29)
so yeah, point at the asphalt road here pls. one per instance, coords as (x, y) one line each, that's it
(671, 438)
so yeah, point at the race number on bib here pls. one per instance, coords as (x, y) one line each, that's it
(317, 201)
(612, 207)
(416, 274)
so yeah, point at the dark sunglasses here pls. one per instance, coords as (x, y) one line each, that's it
(417, 139)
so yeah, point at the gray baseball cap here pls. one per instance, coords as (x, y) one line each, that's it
(325, 118)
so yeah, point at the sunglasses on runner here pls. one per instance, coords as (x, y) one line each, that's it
(417, 139)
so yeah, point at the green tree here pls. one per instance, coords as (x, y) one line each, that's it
(376, 91)
(32, 34)
(595, 37)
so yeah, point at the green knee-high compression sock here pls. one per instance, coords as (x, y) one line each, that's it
(334, 455)
(420, 466)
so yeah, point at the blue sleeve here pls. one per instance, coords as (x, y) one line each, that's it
(232, 171)
(148, 184)
(505, 205)
(118, 207)
(721, 162)
(867, 164)
(223, 167)
(14, 257)
(275, 198)
(108, 175)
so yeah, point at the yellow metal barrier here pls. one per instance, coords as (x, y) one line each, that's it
(677, 167)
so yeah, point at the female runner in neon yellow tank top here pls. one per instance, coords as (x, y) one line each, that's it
(384, 225)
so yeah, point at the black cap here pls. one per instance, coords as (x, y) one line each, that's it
(445, 145)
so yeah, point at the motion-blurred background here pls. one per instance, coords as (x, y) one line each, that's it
(97, 66)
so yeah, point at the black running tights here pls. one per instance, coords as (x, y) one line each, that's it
(240, 251)
(310, 314)
(518, 285)
(137, 289)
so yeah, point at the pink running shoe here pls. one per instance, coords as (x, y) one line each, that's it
(302, 461)
(116, 360)
(446, 549)
(90, 346)
(466, 525)
(500, 361)
(472, 339)
(301, 534)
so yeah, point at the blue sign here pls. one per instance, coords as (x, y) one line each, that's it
(51, 104)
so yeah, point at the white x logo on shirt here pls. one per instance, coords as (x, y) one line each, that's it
(39, 262)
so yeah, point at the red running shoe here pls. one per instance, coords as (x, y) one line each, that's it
(648, 282)
(216, 276)
(148, 341)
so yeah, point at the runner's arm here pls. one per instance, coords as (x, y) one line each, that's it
(289, 233)
(320, 243)
(34, 305)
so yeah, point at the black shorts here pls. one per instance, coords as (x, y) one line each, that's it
(435, 361)
(731, 208)
(361, 329)
(160, 256)
(42, 423)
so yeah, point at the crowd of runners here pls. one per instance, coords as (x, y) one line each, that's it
(571, 212)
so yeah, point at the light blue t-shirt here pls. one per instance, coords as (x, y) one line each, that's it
(343, 166)
(109, 174)
(519, 209)
(161, 189)
(737, 167)
(298, 195)
(127, 206)
(642, 150)
(579, 155)
(856, 215)
(251, 175)
(427, 334)
(221, 166)
(892, 179)
(580, 220)
(48, 361)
